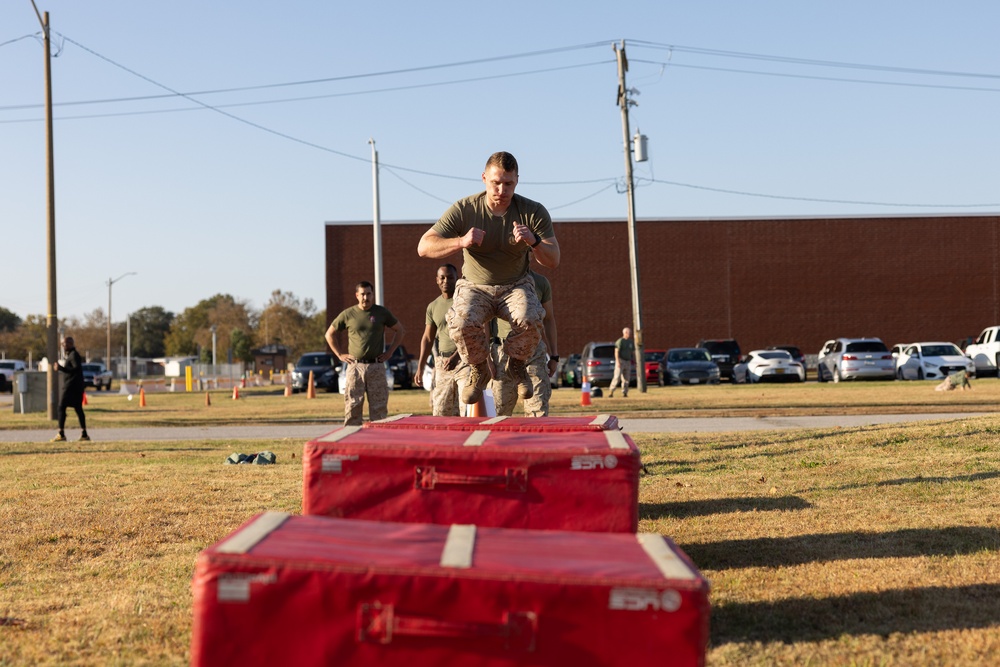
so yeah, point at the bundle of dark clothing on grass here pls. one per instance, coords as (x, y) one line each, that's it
(261, 458)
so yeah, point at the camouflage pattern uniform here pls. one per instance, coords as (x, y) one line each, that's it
(505, 388)
(365, 378)
(444, 389)
(475, 305)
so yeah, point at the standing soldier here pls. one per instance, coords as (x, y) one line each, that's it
(366, 354)
(624, 354)
(541, 365)
(444, 384)
(72, 390)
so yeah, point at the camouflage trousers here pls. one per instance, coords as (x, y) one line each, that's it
(444, 389)
(361, 379)
(623, 372)
(475, 305)
(505, 389)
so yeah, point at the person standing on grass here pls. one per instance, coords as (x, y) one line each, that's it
(497, 232)
(444, 384)
(71, 395)
(366, 354)
(624, 354)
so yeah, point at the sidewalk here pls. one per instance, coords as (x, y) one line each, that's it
(304, 432)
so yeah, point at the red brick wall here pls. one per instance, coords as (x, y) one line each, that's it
(763, 282)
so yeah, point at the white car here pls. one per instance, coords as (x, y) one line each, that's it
(931, 361)
(768, 366)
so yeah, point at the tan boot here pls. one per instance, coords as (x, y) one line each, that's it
(519, 374)
(479, 377)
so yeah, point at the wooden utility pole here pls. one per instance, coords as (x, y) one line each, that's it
(633, 250)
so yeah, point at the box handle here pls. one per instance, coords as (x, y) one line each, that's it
(428, 478)
(380, 624)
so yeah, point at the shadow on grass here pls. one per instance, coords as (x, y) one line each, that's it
(930, 609)
(974, 477)
(788, 551)
(692, 508)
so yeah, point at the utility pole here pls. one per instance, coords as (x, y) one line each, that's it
(52, 318)
(633, 250)
(379, 288)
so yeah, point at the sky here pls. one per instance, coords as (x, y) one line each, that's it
(201, 147)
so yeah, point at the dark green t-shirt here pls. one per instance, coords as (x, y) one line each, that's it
(626, 348)
(499, 260)
(437, 310)
(365, 330)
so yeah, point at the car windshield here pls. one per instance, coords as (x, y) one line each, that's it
(315, 360)
(93, 368)
(940, 350)
(722, 347)
(688, 355)
(654, 356)
(6, 364)
(603, 351)
(866, 346)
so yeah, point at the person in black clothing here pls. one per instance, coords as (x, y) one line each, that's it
(72, 390)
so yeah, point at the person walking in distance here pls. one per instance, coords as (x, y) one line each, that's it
(497, 231)
(540, 366)
(366, 354)
(444, 384)
(624, 354)
(71, 395)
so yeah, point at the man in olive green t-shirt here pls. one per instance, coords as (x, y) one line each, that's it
(624, 354)
(444, 384)
(366, 354)
(497, 232)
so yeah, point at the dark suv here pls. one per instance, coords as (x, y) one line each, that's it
(399, 364)
(725, 353)
(324, 369)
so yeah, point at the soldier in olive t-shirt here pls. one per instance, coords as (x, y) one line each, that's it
(436, 339)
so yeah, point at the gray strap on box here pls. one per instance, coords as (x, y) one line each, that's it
(616, 440)
(458, 547)
(665, 559)
(600, 420)
(340, 434)
(476, 438)
(394, 418)
(247, 539)
(495, 420)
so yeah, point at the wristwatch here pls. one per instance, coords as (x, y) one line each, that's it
(538, 239)
(553, 357)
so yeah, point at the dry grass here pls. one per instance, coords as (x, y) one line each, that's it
(868, 546)
(268, 405)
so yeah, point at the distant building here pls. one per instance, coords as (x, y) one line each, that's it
(270, 358)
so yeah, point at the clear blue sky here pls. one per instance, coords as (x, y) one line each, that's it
(892, 102)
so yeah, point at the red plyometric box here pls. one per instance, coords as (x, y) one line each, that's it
(587, 480)
(301, 590)
(522, 424)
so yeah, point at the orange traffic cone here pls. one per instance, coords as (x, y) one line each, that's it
(85, 398)
(288, 390)
(585, 394)
(479, 408)
(142, 397)
(311, 393)
(208, 400)
(236, 392)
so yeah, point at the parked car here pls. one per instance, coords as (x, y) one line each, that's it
(96, 375)
(769, 366)
(570, 373)
(794, 351)
(690, 365)
(725, 353)
(7, 369)
(855, 359)
(324, 369)
(654, 366)
(597, 364)
(402, 367)
(985, 352)
(931, 361)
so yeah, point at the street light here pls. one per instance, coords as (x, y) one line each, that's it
(214, 329)
(111, 282)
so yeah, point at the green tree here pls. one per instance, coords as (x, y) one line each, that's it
(242, 345)
(150, 327)
(27, 341)
(9, 321)
(191, 331)
(288, 321)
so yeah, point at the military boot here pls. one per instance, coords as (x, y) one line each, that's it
(519, 374)
(479, 377)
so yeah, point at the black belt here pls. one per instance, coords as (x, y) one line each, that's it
(366, 361)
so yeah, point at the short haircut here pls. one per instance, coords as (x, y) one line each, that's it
(363, 284)
(450, 267)
(504, 160)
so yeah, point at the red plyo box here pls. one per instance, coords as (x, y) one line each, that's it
(523, 424)
(586, 480)
(301, 590)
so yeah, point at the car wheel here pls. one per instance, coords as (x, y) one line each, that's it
(920, 373)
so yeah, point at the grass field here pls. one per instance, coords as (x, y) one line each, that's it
(848, 546)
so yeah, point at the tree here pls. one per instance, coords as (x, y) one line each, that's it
(242, 345)
(27, 341)
(295, 324)
(150, 327)
(191, 331)
(9, 321)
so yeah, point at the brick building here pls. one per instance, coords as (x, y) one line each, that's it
(792, 281)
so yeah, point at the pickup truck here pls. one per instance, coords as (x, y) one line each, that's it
(7, 369)
(96, 375)
(985, 351)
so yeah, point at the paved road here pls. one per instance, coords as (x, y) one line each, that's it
(301, 432)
